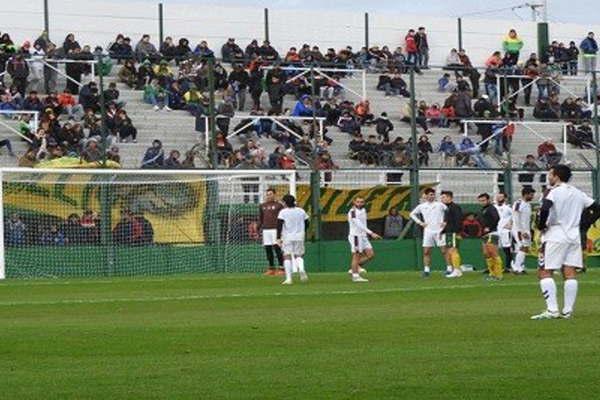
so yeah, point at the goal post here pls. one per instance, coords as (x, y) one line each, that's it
(98, 223)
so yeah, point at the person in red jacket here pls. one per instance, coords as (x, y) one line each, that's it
(471, 228)
(412, 50)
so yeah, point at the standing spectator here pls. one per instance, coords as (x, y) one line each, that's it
(448, 150)
(424, 148)
(231, 52)
(573, 56)
(393, 224)
(238, 81)
(512, 45)
(155, 155)
(411, 48)
(18, 70)
(589, 48)
(383, 126)
(423, 48)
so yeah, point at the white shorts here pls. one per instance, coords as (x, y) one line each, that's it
(504, 238)
(557, 254)
(293, 247)
(358, 244)
(433, 239)
(520, 241)
(269, 237)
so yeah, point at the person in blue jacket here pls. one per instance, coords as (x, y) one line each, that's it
(589, 50)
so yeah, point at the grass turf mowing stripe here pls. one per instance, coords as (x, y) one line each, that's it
(263, 295)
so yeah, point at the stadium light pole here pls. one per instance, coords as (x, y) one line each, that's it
(211, 113)
(160, 23)
(46, 19)
(315, 178)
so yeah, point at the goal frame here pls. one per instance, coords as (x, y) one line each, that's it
(291, 174)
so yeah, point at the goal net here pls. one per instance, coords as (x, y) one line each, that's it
(92, 223)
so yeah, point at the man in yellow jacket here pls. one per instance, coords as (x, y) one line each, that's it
(512, 45)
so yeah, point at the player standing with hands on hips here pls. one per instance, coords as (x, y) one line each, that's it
(433, 214)
(267, 222)
(559, 219)
(358, 236)
(292, 224)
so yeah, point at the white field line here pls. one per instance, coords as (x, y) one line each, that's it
(259, 295)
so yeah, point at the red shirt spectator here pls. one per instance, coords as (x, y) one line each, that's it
(471, 228)
(411, 43)
(546, 148)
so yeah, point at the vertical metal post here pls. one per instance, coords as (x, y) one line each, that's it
(315, 203)
(212, 113)
(367, 30)
(160, 23)
(102, 113)
(266, 18)
(46, 20)
(106, 224)
(2, 248)
(596, 126)
(460, 37)
(414, 171)
(313, 99)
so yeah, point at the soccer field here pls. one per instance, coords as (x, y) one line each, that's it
(247, 337)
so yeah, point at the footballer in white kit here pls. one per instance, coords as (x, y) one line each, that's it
(504, 227)
(358, 237)
(559, 219)
(292, 223)
(433, 213)
(521, 228)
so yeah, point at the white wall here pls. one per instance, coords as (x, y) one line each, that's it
(98, 21)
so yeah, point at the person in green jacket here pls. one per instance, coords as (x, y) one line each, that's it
(512, 45)
(156, 95)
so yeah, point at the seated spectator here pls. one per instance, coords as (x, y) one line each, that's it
(15, 231)
(581, 136)
(445, 84)
(494, 61)
(304, 149)
(462, 105)
(483, 106)
(435, 116)
(292, 56)
(231, 52)
(167, 48)
(268, 52)
(303, 107)
(288, 160)
(453, 60)
(275, 158)
(363, 112)
(448, 150)
(325, 163)
(128, 74)
(393, 224)
(173, 162)
(70, 106)
(383, 127)
(53, 237)
(112, 94)
(543, 111)
(88, 97)
(421, 120)
(124, 127)
(471, 227)
(548, 154)
(347, 123)
(113, 154)
(33, 103)
(91, 152)
(146, 50)
(470, 154)
(155, 156)
(72, 230)
(396, 86)
(529, 165)
(357, 147)
(157, 96)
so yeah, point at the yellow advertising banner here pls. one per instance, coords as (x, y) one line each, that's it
(174, 209)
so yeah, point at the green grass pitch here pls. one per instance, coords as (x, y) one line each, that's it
(247, 337)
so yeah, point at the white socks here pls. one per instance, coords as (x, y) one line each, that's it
(519, 264)
(449, 268)
(570, 295)
(300, 264)
(287, 265)
(548, 287)
(426, 269)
